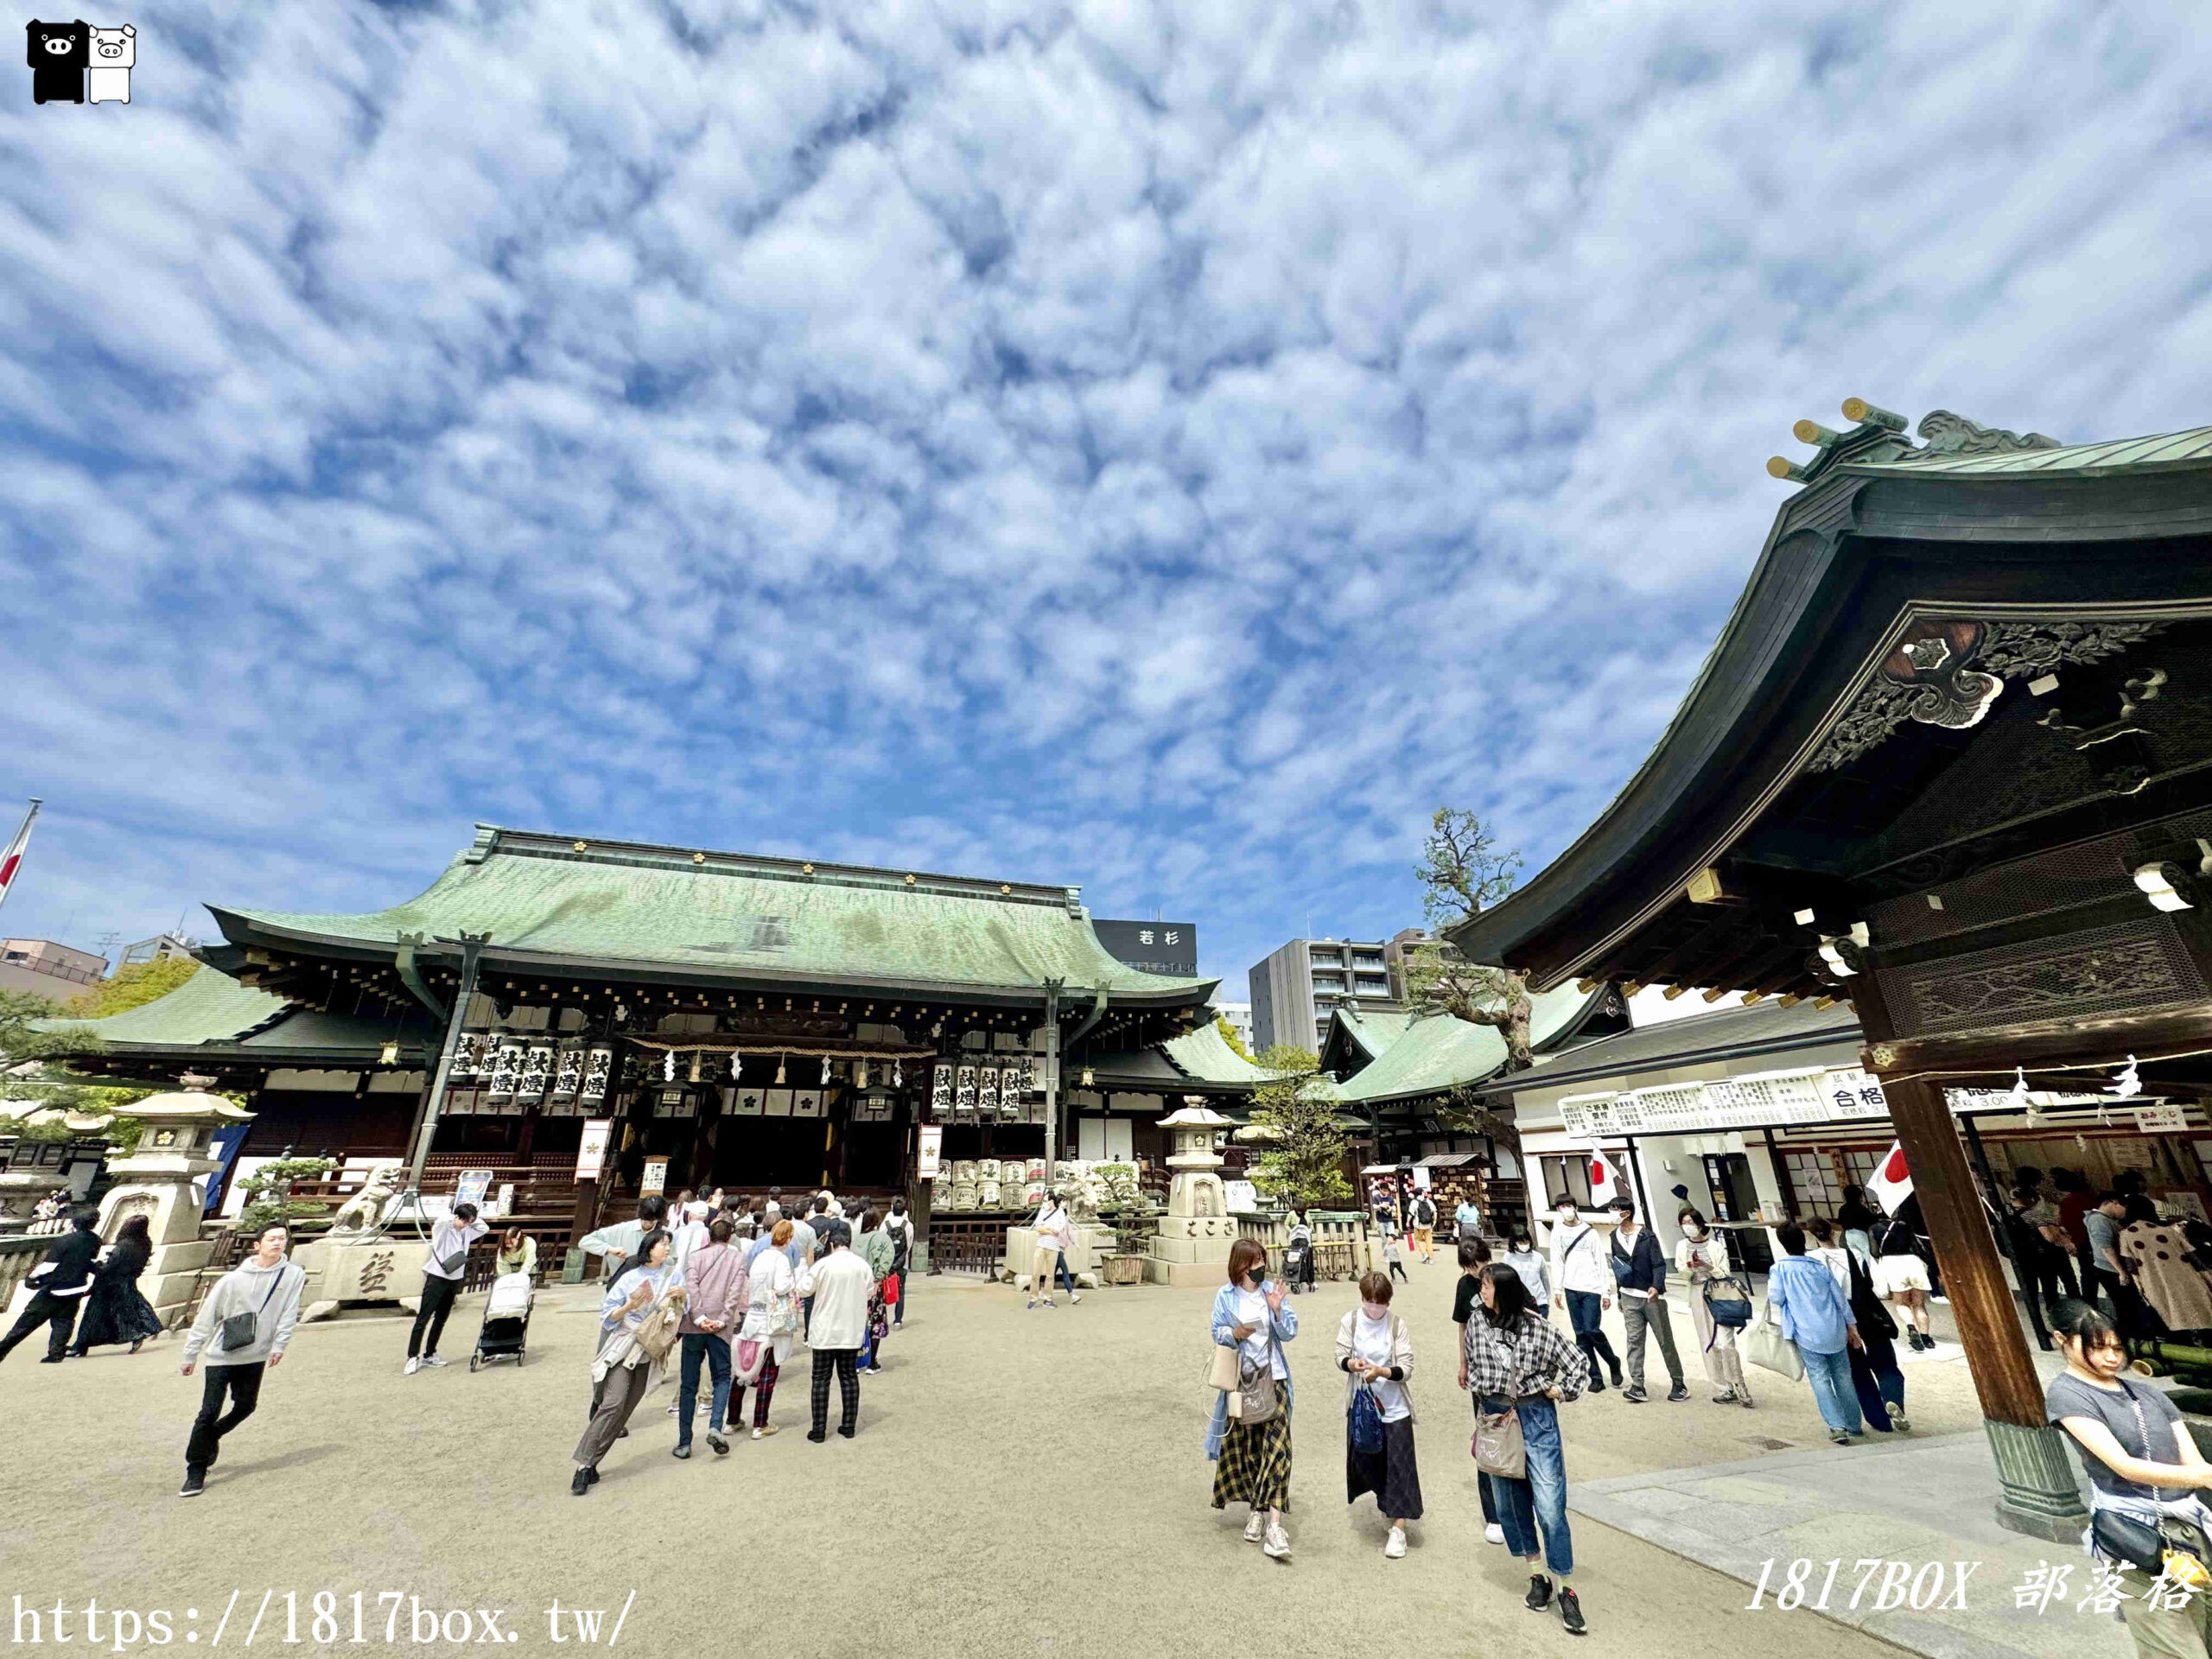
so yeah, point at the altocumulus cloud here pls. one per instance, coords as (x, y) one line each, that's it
(1170, 448)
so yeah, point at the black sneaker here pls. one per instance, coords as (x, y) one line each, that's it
(1570, 1612)
(1597, 1385)
(1540, 1592)
(195, 1482)
(816, 1436)
(1616, 1376)
(591, 1475)
(1678, 1393)
(580, 1482)
(1635, 1396)
(847, 1431)
(721, 1446)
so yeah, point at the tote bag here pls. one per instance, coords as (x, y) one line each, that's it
(1222, 1374)
(1499, 1449)
(1767, 1348)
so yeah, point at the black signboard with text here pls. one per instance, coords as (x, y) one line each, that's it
(1156, 947)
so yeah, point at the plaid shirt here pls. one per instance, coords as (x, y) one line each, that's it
(1529, 1360)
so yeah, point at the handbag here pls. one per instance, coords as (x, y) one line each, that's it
(1765, 1347)
(748, 1358)
(1732, 1310)
(1499, 1449)
(657, 1334)
(239, 1330)
(1255, 1390)
(1366, 1421)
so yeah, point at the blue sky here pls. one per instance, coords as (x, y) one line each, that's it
(1165, 448)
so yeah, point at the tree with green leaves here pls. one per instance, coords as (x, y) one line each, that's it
(1302, 1156)
(1463, 872)
(20, 1038)
(132, 987)
(1229, 1035)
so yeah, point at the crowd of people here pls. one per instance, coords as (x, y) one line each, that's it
(728, 1289)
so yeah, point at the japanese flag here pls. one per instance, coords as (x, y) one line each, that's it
(1603, 1177)
(12, 860)
(1891, 1184)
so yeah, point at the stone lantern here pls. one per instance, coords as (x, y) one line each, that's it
(1190, 1245)
(176, 1150)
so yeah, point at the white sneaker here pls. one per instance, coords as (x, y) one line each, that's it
(432, 1359)
(1254, 1527)
(412, 1366)
(1277, 1547)
(1493, 1534)
(1395, 1547)
(1074, 1298)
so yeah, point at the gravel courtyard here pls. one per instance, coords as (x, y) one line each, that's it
(1024, 1482)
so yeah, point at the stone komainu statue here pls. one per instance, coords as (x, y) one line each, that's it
(361, 1212)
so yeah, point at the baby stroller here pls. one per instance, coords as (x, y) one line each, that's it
(1298, 1260)
(507, 1320)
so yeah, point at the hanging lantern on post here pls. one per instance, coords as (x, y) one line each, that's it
(780, 1068)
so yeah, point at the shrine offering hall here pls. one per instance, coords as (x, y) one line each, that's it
(716, 1018)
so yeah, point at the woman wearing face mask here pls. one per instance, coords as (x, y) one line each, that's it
(1582, 1283)
(1251, 1452)
(1522, 1256)
(1701, 1257)
(1376, 1356)
(2141, 1466)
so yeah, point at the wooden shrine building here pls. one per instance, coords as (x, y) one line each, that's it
(1950, 760)
(744, 1021)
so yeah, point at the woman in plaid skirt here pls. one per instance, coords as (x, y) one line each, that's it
(1252, 1458)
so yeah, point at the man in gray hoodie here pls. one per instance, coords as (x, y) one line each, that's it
(265, 1286)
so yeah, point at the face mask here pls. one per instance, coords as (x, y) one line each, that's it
(1375, 1310)
(1521, 1247)
(1567, 1216)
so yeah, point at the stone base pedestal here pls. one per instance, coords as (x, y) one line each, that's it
(2040, 1496)
(1212, 1274)
(171, 1276)
(1091, 1242)
(347, 1270)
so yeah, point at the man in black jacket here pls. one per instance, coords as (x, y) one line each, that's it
(60, 1282)
(1640, 1271)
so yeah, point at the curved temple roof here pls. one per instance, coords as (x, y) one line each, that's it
(548, 900)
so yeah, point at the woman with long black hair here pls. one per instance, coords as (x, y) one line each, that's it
(1522, 1363)
(116, 1311)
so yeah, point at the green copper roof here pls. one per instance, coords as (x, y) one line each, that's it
(2113, 455)
(1440, 1052)
(548, 900)
(1372, 1031)
(212, 1011)
(1206, 1055)
(209, 1007)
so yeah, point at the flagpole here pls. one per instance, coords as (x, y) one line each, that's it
(12, 860)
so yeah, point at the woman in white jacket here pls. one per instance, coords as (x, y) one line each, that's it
(1376, 1356)
(1701, 1257)
(764, 1341)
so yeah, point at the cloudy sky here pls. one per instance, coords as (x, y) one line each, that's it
(1166, 448)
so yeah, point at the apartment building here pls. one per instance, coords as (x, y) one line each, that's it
(56, 972)
(1299, 985)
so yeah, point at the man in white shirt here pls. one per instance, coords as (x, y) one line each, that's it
(441, 1273)
(1583, 1282)
(838, 1286)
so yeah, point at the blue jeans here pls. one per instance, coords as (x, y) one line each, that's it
(1540, 1500)
(1833, 1391)
(1583, 1310)
(715, 1351)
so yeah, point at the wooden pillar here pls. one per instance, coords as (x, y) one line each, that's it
(2039, 1496)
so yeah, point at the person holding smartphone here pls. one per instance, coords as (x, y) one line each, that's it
(1251, 1452)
